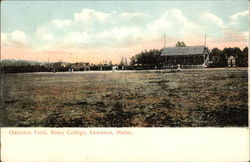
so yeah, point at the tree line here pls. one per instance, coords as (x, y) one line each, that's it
(219, 57)
(22, 66)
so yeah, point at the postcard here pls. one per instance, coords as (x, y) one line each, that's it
(124, 80)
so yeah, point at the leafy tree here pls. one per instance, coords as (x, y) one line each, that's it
(215, 53)
(245, 51)
(180, 44)
(243, 58)
(149, 58)
(223, 57)
(232, 51)
(133, 60)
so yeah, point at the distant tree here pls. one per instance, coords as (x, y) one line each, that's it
(223, 57)
(215, 51)
(232, 51)
(245, 50)
(215, 54)
(180, 44)
(151, 58)
(122, 62)
(243, 57)
(125, 62)
(216, 57)
(132, 60)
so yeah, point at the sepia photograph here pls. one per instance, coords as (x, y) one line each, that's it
(124, 64)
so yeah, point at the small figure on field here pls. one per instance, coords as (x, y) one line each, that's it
(178, 67)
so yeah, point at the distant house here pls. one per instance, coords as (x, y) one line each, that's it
(231, 61)
(114, 68)
(64, 65)
(59, 65)
(81, 66)
(186, 57)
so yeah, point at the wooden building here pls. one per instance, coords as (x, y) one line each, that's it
(186, 57)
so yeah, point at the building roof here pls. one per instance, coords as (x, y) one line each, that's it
(177, 51)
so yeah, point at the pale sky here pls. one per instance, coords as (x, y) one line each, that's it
(95, 31)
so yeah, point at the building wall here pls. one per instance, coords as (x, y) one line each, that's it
(184, 60)
(231, 62)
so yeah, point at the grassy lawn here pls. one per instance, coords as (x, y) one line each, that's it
(190, 98)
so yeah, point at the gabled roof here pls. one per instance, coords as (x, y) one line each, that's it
(190, 50)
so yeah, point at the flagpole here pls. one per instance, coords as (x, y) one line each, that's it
(205, 40)
(164, 40)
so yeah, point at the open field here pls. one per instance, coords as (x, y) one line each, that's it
(190, 98)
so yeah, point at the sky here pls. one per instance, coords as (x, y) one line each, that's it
(96, 31)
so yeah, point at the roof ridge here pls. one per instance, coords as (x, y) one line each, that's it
(183, 50)
(187, 46)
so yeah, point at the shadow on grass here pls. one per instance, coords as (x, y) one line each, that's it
(227, 116)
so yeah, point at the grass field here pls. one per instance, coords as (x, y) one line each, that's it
(190, 98)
